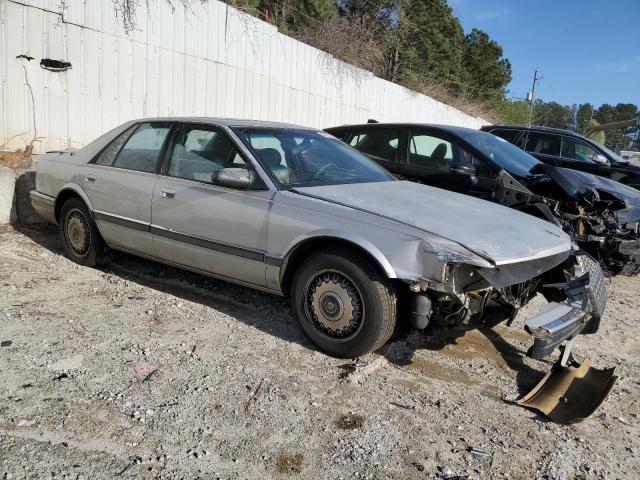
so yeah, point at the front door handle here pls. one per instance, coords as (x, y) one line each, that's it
(167, 193)
(90, 179)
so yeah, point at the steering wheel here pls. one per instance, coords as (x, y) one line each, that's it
(323, 168)
(298, 149)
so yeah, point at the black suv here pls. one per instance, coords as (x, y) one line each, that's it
(602, 216)
(568, 149)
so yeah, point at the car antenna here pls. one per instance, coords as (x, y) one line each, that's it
(372, 120)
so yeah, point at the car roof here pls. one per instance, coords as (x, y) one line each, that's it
(435, 126)
(228, 122)
(538, 128)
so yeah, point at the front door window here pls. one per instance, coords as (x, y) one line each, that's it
(576, 150)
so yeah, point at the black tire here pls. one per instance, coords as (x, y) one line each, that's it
(324, 282)
(80, 237)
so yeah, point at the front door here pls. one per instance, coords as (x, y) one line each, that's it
(580, 156)
(442, 162)
(120, 181)
(204, 226)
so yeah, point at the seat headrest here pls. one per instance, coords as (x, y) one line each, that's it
(439, 152)
(270, 156)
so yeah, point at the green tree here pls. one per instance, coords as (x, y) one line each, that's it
(513, 112)
(434, 43)
(551, 114)
(485, 69)
(584, 115)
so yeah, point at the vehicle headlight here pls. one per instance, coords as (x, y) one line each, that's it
(448, 251)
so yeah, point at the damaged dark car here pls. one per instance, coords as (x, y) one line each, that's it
(601, 215)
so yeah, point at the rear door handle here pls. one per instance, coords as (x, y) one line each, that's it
(90, 179)
(165, 193)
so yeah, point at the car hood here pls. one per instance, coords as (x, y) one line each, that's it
(577, 184)
(502, 234)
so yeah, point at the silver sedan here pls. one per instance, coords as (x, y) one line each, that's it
(295, 212)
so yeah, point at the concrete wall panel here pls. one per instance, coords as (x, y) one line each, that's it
(211, 60)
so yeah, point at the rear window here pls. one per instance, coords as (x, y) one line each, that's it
(509, 135)
(380, 144)
(544, 143)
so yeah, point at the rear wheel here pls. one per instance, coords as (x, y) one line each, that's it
(79, 234)
(344, 304)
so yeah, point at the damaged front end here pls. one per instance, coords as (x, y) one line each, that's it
(573, 284)
(605, 227)
(602, 216)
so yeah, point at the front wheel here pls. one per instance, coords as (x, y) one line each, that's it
(344, 304)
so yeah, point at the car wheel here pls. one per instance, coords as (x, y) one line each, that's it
(344, 304)
(80, 237)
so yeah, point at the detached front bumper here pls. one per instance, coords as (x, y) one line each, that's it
(579, 313)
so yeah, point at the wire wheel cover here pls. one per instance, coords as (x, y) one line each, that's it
(334, 304)
(78, 232)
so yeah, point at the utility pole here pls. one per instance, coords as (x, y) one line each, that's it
(532, 93)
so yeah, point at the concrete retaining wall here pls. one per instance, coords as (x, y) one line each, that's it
(15, 201)
(7, 192)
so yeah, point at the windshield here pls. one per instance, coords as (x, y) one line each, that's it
(511, 158)
(300, 158)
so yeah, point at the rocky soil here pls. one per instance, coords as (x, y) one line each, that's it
(140, 370)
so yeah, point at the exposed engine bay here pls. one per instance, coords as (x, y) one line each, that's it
(472, 297)
(576, 295)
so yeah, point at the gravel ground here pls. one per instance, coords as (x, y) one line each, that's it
(140, 370)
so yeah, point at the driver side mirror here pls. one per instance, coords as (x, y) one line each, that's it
(465, 170)
(238, 178)
(601, 159)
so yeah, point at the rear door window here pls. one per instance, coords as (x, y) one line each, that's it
(509, 135)
(142, 149)
(108, 155)
(543, 143)
(379, 143)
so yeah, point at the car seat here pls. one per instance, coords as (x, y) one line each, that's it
(272, 159)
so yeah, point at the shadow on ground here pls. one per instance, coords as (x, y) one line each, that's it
(271, 314)
(268, 313)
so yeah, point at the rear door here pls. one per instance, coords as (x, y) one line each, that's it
(544, 146)
(382, 145)
(119, 182)
(203, 226)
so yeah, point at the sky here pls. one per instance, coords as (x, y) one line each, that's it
(586, 50)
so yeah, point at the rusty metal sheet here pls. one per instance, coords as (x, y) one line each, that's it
(568, 394)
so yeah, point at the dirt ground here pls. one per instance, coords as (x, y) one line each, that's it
(140, 370)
